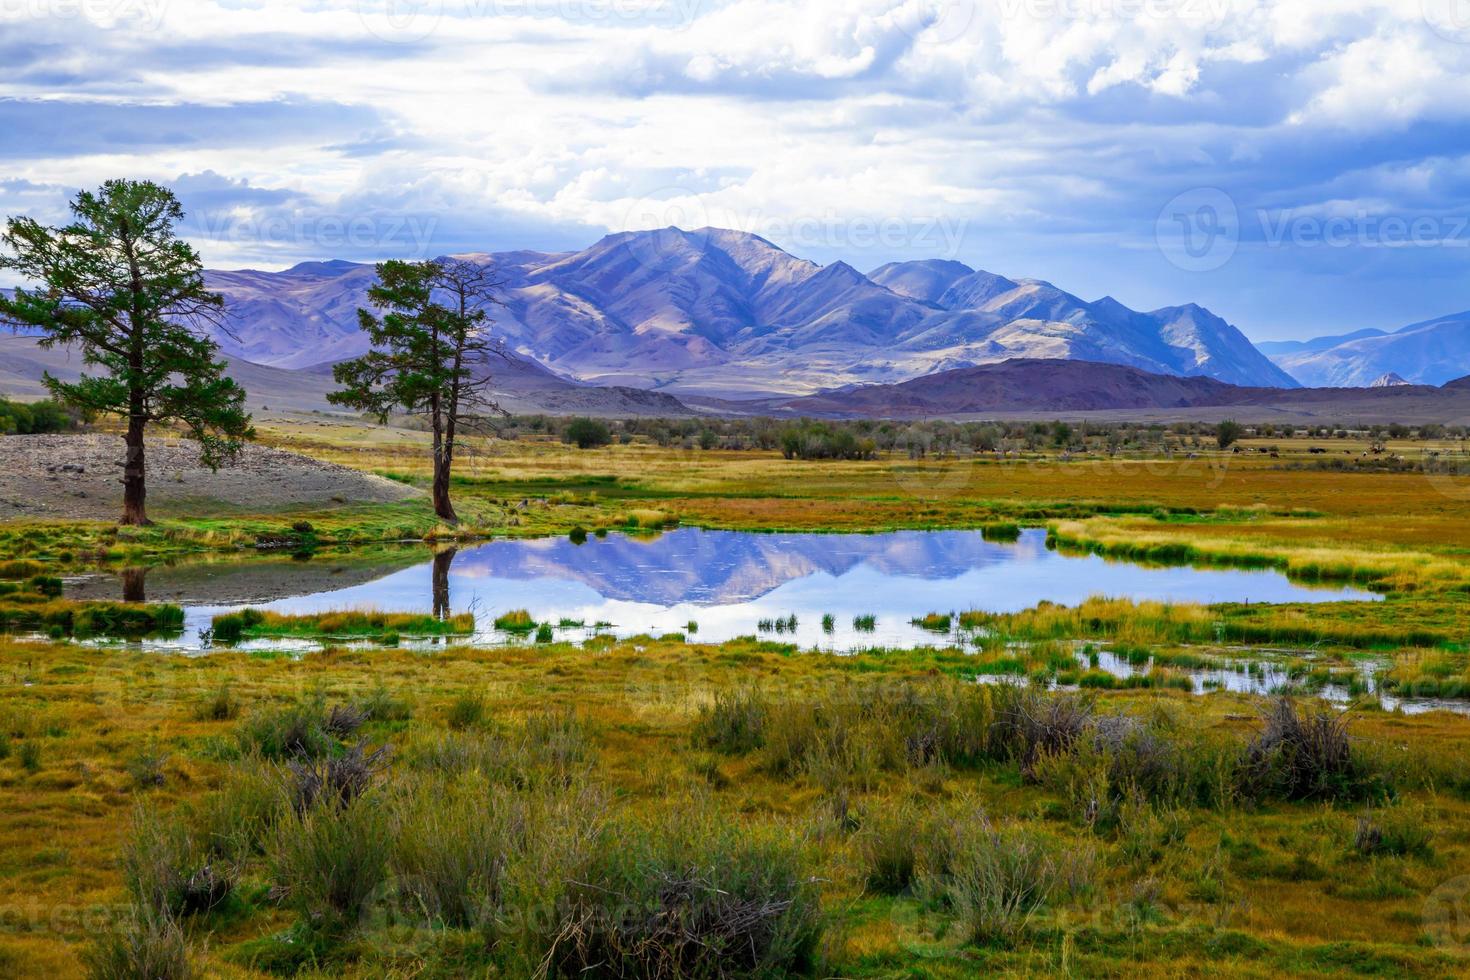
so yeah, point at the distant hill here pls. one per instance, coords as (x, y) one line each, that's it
(722, 312)
(519, 385)
(1431, 352)
(1041, 386)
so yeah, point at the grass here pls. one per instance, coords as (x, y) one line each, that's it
(1145, 623)
(250, 624)
(515, 621)
(65, 617)
(383, 812)
(886, 806)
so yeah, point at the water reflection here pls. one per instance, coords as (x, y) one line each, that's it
(727, 583)
(443, 560)
(133, 580)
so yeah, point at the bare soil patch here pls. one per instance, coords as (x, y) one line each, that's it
(80, 477)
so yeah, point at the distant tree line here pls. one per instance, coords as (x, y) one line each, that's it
(866, 438)
(35, 418)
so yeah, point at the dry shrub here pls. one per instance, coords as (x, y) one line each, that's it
(996, 880)
(1303, 756)
(1030, 723)
(688, 893)
(169, 871)
(337, 780)
(146, 944)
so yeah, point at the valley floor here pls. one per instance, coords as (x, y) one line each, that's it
(574, 810)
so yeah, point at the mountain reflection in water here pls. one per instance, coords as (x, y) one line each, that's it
(727, 581)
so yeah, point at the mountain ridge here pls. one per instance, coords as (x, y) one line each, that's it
(1431, 351)
(721, 312)
(1060, 385)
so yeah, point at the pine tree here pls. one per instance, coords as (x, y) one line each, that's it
(121, 285)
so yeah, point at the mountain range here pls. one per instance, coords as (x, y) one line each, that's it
(1431, 353)
(1045, 388)
(518, 385)
(726, 313)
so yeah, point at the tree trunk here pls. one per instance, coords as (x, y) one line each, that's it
(443, 509)
(134, 491)
(132, 584)
(442, 561)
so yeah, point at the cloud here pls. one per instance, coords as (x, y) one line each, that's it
(1046, 134)
(42, 128)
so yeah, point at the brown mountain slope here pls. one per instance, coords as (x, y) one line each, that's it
(1028, 386)
(519, 385)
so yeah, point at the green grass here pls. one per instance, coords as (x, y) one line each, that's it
(515, 621)
(80, 618)
(251, 624)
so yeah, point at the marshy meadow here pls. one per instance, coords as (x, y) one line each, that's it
(218, 758)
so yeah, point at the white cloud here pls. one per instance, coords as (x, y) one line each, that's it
(1048, 127)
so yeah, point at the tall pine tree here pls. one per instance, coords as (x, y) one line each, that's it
(120, 284)
(429, 356)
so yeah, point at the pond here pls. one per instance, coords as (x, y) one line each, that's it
(726, 583)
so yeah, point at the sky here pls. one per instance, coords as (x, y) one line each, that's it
(1301, 167)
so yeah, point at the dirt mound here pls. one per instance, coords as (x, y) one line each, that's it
(80, 476)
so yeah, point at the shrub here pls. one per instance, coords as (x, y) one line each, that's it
(734, 723)
(1031, 723)
(819, 440)
(456, 837)
(29, 755)
(335, 780)
(687, 894)
(145, 944)
(996, 880)
(554, 743)
(294, 731)
(466, 711)
(35, 418)
(585, 433)
(168, 871)
(343, 720)
(1303, 756)
(218, 705)
(145, 767)
(455, 754)
(889, 849)
(331, 862)
(383, 705)
(1395, 831)
(235, 822)
(544, 633)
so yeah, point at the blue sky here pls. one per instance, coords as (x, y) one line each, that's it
(1299, 167)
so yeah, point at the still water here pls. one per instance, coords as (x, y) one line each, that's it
(725, 582)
